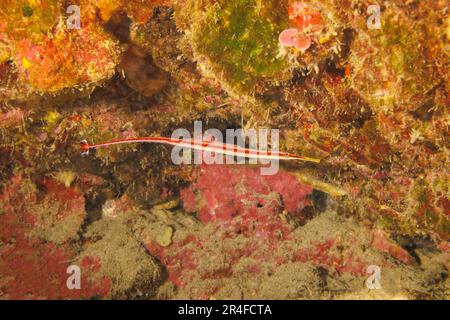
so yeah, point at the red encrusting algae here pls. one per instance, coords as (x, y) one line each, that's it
(306, 21)
(244, 230)
(30, 267)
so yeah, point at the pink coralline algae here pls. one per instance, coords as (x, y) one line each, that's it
(304, 16)
(307, 21)
(383, 244)
(229, 191)
(246, 231)
(30, 267)
(288, 37)
(234, 202)
(324, 254)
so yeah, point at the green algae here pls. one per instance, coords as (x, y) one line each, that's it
(240, 39)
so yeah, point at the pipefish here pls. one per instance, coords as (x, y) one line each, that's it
(206, 146)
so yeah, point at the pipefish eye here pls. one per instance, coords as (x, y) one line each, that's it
(84, 146)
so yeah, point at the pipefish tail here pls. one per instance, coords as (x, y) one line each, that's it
(213, 147)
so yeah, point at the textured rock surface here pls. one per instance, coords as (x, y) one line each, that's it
(372, 104)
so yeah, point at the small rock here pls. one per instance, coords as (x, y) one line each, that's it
(164, 239)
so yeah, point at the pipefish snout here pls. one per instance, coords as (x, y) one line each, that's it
(205, 146)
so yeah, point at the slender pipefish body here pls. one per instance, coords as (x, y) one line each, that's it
(214, 147)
